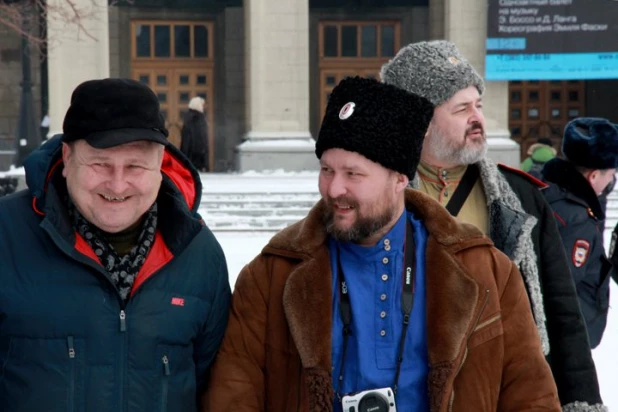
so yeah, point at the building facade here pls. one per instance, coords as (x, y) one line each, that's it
(266, 67)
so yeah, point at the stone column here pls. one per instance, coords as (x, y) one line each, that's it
(78, 51)
(277, 87)
(465, 24)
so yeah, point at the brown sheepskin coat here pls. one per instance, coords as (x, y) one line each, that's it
(484, 349)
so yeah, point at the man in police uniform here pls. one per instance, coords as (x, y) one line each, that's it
(590, 146)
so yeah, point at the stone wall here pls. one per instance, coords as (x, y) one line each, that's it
(10, 90)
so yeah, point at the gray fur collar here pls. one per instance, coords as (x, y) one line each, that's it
(515, 242)
(584, 407)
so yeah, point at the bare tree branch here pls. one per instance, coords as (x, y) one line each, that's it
(12, 17)
(69, 13)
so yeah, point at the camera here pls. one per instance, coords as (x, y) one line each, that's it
(373, 400)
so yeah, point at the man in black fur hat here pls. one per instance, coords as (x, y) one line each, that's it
(114, 294)
(590, 146)
(378, 290)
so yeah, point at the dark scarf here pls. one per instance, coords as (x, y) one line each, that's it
(122, 269)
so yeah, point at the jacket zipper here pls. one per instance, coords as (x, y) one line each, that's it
(452, 398)
(300, 381)
(71, 345)
(488, 322)
(164, 382)
(123, 329)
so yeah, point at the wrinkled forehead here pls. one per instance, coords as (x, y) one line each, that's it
(464, 96)
(337, 158)
(136, 148)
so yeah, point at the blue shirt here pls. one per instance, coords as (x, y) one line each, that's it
(373, 276)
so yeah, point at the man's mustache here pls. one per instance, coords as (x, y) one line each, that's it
(475, 127)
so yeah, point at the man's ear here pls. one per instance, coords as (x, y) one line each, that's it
(67, 152)
(593, 175)
(428, 129)
(401, 182)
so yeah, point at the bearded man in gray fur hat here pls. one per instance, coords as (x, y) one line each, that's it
(507, 204)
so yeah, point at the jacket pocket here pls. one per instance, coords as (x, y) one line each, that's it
(486, 330)
(177, 380)
(43, 374)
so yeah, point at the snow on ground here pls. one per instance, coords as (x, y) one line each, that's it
(240, 248)
(263, 182)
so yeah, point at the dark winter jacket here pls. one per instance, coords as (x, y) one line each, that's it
(522, 226)
(580, 220)
(67, 340)
(612, 254)
(484, 352)
(194, 143)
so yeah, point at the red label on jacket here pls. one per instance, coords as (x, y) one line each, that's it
(178, 301)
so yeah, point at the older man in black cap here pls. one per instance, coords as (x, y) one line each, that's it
(379, 300)
(590, 146)
(505, 203)
(114, 294)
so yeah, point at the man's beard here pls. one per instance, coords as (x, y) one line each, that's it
(362, 228)
(441, 148)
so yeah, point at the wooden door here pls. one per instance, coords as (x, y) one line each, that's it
(353, 48)
(177, 71)
(542, 109)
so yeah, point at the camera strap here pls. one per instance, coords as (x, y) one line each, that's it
(407, 302)
(463, 190)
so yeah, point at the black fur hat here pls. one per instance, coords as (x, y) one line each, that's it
(381, 122)
(591, 143)
(111, 112)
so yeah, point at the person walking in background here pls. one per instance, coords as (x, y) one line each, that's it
(379, 290)
(194, 135)
(505, 203)
(590, 146)
(539, 153)
(114, 295)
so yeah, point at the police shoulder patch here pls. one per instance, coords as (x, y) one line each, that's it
(581, 250)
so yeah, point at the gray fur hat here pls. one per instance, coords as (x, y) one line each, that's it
(432, 69)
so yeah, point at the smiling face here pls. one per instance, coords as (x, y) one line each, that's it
(456, 135)
(363, 198)
(113, 188)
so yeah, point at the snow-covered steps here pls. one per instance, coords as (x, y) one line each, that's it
(257, 201)
(268, 211)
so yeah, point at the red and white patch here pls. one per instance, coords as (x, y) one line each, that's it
(347, 110)
(178, 301)
(580, 253)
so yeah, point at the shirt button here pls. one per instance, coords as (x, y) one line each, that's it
(387, 242)
(382, 333)
(445, 194)
(383, 297)
(383, 314)
(385, 260)
(444, 173)
(387, 247)
(385, 277)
